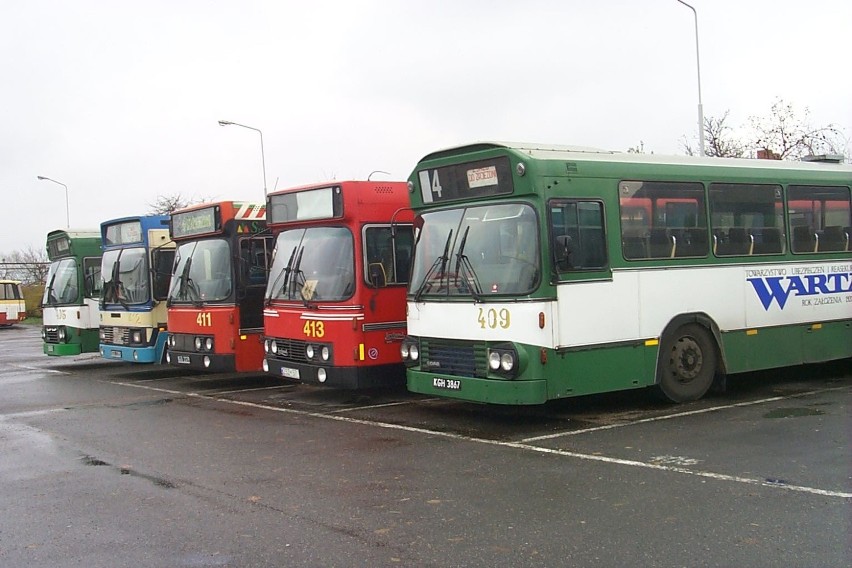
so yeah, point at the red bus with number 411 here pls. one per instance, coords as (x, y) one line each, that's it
(335, 303)
(216, 291)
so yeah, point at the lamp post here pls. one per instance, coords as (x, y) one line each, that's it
(67, 208)
(698, 66)
(262, 157)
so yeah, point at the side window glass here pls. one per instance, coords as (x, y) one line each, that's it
(577, 235)
(388, 254)
(819, 218)
(662, 220)
(255, 254)
(747, 219)
(92, 277)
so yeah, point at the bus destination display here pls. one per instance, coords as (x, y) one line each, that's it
(197, 222)
(484, 178)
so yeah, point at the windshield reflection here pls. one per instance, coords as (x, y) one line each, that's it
(202, 272)
(62, 283)
(124, 275)
(477, 251)
(313, 264)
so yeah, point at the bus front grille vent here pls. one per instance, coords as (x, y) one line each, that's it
(456, 358)
(290, 350)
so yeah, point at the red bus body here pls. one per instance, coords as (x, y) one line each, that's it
(215, 314)
(335, 303)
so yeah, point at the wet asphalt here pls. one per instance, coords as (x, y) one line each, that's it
(106, 464)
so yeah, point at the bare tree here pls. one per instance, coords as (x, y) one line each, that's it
(166, 204)
(29, 265)
(784, 134)
(789, 134)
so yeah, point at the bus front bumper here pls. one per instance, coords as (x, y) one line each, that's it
(202, 361)
(338, 377)
(130, 354)
(62, 349)
(492, 391)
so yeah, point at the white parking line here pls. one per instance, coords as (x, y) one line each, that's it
(676, 415)
(519, 445)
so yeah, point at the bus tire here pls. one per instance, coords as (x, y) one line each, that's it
(687, 364)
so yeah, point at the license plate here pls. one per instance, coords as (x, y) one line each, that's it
(289, 373)
(115, 354)
(50, 348)
(446, 384)
(183, 359)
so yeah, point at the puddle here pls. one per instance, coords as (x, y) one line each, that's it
(793, 412)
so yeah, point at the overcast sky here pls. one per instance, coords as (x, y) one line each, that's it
(120, 100)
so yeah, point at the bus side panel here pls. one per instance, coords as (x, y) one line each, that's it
(248, 350)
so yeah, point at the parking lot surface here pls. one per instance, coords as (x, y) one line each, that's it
(110, 464)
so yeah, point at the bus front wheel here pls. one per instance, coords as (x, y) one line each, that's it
(687, 363)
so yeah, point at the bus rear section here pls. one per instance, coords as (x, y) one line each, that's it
(215, 306)
(12, 306)
(335, 304)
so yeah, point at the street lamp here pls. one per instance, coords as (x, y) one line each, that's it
(67, 209)
(262, 157)
(698, 66)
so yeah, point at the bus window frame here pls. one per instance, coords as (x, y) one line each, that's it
(605, 269)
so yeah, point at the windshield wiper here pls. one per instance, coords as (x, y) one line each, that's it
(440, 266)
(51, 297)
(187, 290)
(463, 264)
(285, 274)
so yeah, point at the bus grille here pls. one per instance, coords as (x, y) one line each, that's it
(290, 350)
(116, 335)
(51, 334)
(456, 358)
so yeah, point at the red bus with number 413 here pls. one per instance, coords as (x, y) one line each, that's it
(216, 292)
(335, 303)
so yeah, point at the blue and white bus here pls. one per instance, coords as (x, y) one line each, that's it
(136, 269)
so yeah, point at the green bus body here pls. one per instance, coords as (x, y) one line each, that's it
(627, 271)
(71, 293)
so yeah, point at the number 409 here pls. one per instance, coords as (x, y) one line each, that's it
(493, 318)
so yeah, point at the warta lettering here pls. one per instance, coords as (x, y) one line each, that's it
(780, 288)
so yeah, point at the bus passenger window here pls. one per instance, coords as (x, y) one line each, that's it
(820, 218)
(747, 219)
(577, 235)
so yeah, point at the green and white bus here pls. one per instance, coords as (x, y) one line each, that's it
(71, 292)
(546, 272)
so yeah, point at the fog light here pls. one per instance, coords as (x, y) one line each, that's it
(325, 353)
(135, 355)
(494, 360)
(321, 376)
(309, 352)
(414, 352)
(265, 366)
(197, 344)
(208, 344)
(206, 361)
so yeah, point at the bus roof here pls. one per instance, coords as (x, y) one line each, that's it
(75, 233)
(580, 153)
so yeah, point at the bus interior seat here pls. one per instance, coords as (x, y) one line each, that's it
(768, 240)
(634, 245)
(834, 238)
(738, 241)
(692, 242)
(804, 239)
(661, 243)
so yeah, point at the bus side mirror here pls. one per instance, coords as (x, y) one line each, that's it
(376, 275)
(563, 251)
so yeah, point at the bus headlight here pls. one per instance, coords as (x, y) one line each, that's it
(309, 352)
(43, 333)
(102, 334)
(136, 336)
(409, 350)
(325, 353)
(197, 344)
(273, 346)
(61, 333)
(266, 345)
(503, 359)
(208, 344)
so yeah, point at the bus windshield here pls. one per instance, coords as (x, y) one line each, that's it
(125, 276)
(477, 251)
(61, 285)
(310, 264)
(202, 272)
